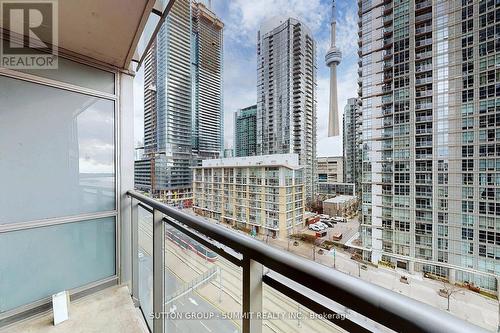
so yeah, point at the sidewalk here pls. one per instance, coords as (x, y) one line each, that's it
(467, 305)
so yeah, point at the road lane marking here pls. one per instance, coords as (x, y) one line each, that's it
(208, 329)
(193, 301)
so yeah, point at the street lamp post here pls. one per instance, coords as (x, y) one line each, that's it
(220, 285)
(314, 250)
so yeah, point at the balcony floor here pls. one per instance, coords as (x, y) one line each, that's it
(110, 310)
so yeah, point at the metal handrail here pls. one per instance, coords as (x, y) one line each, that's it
(381, 305)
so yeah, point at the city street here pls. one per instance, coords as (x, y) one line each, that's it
(473, 307)
(467, 305)
(185, 265)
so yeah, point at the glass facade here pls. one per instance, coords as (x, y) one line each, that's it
(429, 99)
(57, 147)
(245, 131)
(54, 258)
(58, 206)
(286, 94)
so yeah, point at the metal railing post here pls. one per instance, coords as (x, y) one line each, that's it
(252, 296)
(134, 230)
(158, 271)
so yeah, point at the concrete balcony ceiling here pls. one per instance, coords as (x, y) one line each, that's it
(106, 31)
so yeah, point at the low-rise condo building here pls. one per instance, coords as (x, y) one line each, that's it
(258, 194)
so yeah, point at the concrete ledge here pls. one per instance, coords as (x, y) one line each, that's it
(110, 310)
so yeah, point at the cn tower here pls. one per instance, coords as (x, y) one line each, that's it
(332, 59)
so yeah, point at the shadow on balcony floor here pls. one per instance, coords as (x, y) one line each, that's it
(110, 311)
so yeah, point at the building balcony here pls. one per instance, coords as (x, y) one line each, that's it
(423, 18)
(423, 106)
(423, 93)
(388, 64)
(71, 222)
(387, 88)
(423, 55)
(424, 80)
(423, 68)
(387, 19)
(423, 42)
(423, 119)
(419, 6)
(423, 29)
(422, 131)
(422, 144)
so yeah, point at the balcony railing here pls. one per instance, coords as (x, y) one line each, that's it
(312, 286)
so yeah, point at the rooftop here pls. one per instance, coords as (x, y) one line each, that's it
(290, 161)
(340, 199)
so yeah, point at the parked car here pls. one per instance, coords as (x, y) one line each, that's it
(328, 223)
(314, 227)
(322, 225)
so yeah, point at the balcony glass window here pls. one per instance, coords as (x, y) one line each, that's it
(57, 152)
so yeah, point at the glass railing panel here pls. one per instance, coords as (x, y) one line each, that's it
(282, 314)
(145, 263)
(200, 283)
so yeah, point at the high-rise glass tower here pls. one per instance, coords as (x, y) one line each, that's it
(207, 58)
(245, 131)
(286, 93)
(430, 103)
(352, 142)
(174, 101)
(183, 100)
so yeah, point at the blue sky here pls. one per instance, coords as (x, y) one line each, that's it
(242, 19)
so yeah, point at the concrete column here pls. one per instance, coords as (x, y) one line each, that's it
(333, 116)
(411, 267)
(498, 296)
(252, 296)
(452, 275)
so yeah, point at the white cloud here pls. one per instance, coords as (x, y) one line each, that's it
(241, 25)
(242, 19)
(329, 146)
(347, 33)
(246, 16)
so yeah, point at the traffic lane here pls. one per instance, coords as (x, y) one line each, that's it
(203, 313)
